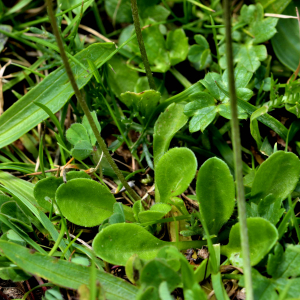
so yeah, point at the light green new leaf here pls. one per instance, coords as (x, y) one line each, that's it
(174, 172)
(278, 175)
(144, 102)
(167, 124)
(177, 44)
(262, 237)
(215, 193)
(73, 275)
(77, 133)
(85, 202)
(54, 91)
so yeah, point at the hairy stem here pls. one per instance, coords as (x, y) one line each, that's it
(238, 156)
(138, 31)
(83, 103)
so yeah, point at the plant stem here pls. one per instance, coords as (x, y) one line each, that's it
(83, 103)
(238, 156)
(138, 31)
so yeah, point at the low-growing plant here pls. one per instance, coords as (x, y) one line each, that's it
(193, 218)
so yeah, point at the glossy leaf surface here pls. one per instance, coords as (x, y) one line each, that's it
(278, 175)
(174, 172)
(54, 91)
(85, 202)
(215, 193)
(262, 237)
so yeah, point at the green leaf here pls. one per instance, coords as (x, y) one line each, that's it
(46, 188)
(118, 242)
(254, 125)
(82, 150)
(73, 275)
(177, 44)
(79, 197)
(278, 175)
(121, 79)
(156, 212)
(262, 29)
(284, 264)
(157, 271)
(144, 102)
(23, 192)
(215, 193)
(54, 92)
(9, 271)
(200, 54)
(77, 133)
(166, 125)
(16, 216)
(263, 287)
(225, 111)
(203, 110)
(286, 42)
(262, 237)
(174, 172)
(275, 7)
(88, 127)
(268, 208)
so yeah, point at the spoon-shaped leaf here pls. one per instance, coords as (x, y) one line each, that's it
(262, 237)
(46, 188)
(278, 175)
(167, 124)
(174, 172)
(118, 242)
(85, 202)
(215, 193)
